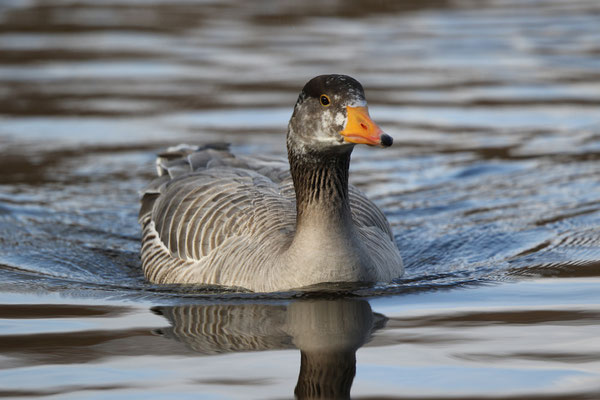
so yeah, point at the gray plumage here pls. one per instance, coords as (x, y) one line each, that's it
(212, 217)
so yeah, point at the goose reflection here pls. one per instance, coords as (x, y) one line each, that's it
(327, 331)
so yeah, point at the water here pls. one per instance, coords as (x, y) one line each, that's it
(491, 188)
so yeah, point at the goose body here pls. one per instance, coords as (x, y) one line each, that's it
(212, 217)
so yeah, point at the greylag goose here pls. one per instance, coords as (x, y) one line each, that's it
(215, 218)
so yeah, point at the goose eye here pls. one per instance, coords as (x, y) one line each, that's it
(325, 100)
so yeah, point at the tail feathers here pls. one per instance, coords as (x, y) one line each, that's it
(184, 158)
(176, 161)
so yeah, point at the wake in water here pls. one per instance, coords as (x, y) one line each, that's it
(467, 220)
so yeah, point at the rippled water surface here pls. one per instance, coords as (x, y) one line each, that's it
(491, 187)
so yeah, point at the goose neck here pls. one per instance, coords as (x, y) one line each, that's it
(321, 185)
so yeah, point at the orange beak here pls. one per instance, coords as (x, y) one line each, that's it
(361, 129)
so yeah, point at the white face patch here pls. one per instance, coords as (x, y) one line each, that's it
(323, 134)
(325, 123)
(340, 119)
(326, 120)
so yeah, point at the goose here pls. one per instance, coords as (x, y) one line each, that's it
(212, 217)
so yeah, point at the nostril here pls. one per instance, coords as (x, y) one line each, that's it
(364, 126)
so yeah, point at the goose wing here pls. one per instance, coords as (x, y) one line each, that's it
(366, 214)
(205, 197)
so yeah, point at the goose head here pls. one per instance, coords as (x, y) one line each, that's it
(331, 115)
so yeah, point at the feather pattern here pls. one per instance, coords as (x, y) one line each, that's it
(218, 222)
(259, 223)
